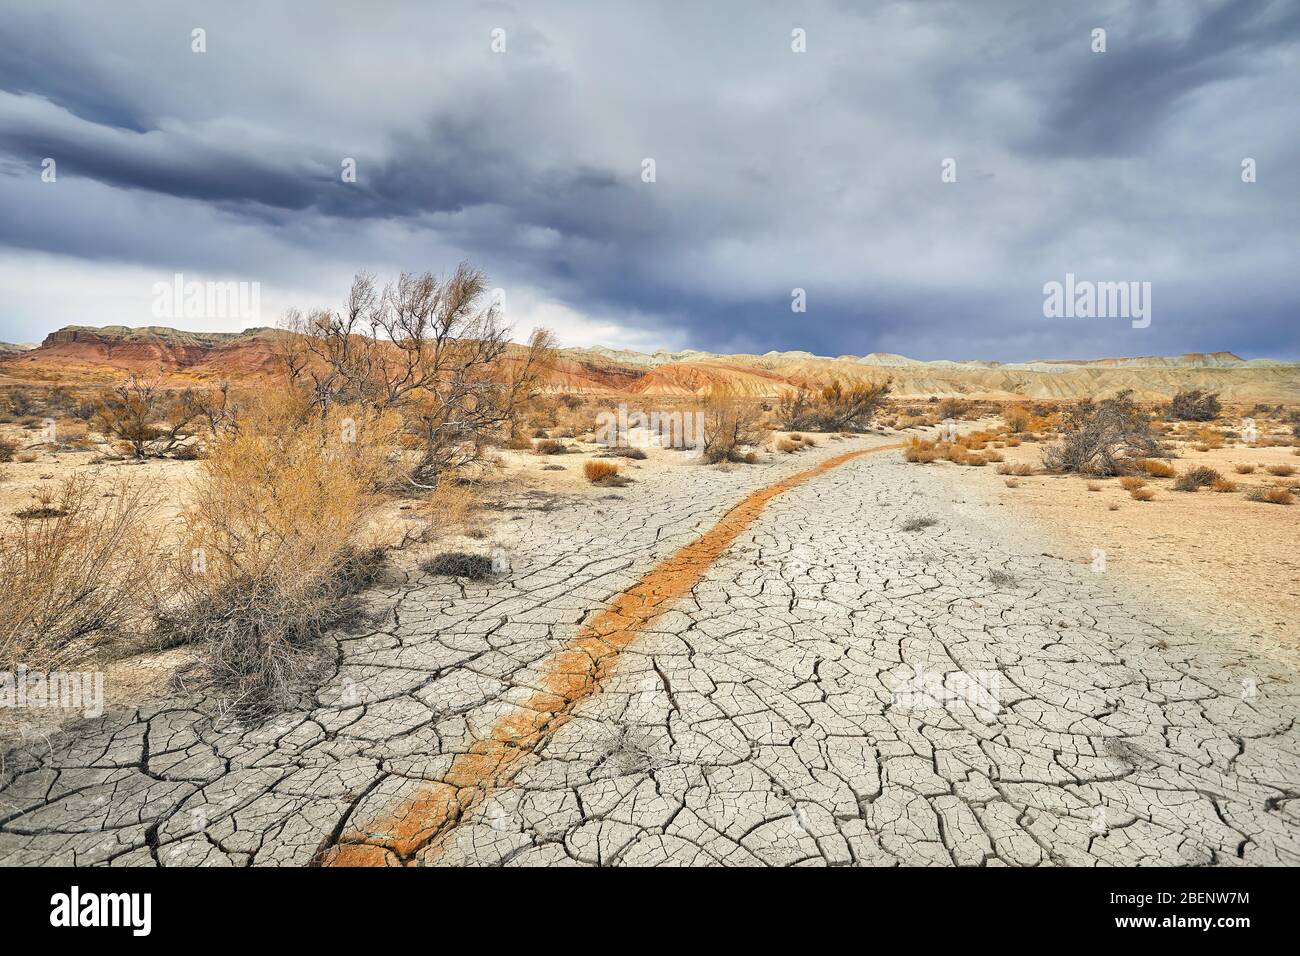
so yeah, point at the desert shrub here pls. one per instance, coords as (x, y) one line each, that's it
(77, 573)
(1102, 438)
(1141, 494)
(1275, 495)
(7, 449)
(148, 420)
(1012, 482)
(277, 544)
(1156, 469)
(1131, 482)
(598, 471)
(731, 424)
(1244, 469)
(1194, 405)
(550, 446)
(787, 446)
(21, 403)
(517, 443)
(433, 350)
(1281, 471)
(834, 408)
(1017, 418)
(460, 564)
(1223, 485)
(626, 451)
(1001, 579)
(1198, 477)
(1094, 486)
(918, 523)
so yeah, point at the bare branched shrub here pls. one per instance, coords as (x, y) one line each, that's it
(1103, 438)
(429, 348)
(833, 408)
(277, 543)
(146, 418)
(731, 424)
(77, 573)
(1194, 405)
(1197, 477)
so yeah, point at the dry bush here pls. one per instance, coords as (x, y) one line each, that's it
(460, 564)
(428, 348)
(834, 408)
(919, 523)
(596, 471)
(1132, 482)
(549, 446)
(7, 449)
(954, 408)
(1022, 470)
(76, 574)
(1281, 471)
(788, 446)
(1094, 486)
(603, 474)
(145, 419)
(1198, 477)
(1156, 469)
(1273, 496)
(1102, 438)
(1017, 418)
(1223, 485)
(731, 424)
(1142, 494)
(277, 544)
(517, 443)
(1245, 469)
(1194, 406)
(1012, 482)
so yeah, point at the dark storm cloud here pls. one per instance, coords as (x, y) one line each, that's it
(1113, 110)
(775, 170)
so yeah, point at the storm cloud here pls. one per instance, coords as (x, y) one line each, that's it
(775, 169)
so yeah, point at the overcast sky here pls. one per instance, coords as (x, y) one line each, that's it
(774, 169)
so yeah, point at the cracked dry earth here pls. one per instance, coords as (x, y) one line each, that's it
(643, 689)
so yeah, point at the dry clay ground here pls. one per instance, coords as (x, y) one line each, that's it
(802, 681)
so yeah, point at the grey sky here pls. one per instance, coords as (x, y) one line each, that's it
(775, 169)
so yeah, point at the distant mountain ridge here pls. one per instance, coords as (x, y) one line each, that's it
(93, 355)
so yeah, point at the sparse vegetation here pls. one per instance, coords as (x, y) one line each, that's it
(834, 408)
(1275, 495)
(731, 425)
(460, 564)
(1198, 477)
(76, 573)
(1194, 405)
(1103, 438)
(600, 472)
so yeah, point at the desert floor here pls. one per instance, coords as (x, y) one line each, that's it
(690, 670)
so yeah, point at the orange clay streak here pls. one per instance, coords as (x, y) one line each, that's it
(571, 674)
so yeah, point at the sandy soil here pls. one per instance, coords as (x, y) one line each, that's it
(1203, 546)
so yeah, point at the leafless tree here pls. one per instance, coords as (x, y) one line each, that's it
(429, 348)
(151, 420)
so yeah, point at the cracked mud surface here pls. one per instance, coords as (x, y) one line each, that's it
(755, 719)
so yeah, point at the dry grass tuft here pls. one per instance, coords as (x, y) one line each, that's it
(1142, 494)
(600, 472)
(1245, 469)
(1094, 486)
(1155, 468)
(787, 446)
(1272, 496)
(1131, 482)
(1281, 471)
(1223, 485)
